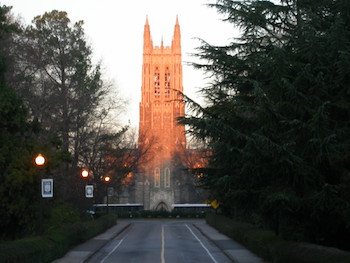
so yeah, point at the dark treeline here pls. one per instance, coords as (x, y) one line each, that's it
(277, 117)
(54, 101)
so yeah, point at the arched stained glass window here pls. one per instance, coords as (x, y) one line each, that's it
(156, 177)
(167, 177)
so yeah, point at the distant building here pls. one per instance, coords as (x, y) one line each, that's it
(163, 177)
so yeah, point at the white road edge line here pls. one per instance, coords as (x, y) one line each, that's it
(200, 242)
(163, 247)
(104, 259)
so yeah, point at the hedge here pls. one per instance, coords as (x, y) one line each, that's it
(53, 245)
(272, 248)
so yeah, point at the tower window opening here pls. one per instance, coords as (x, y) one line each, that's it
(167, 82)
(156, 79)
(156, 177)
(167, 177)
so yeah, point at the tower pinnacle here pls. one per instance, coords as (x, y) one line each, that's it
(147, 41)
(176, 43)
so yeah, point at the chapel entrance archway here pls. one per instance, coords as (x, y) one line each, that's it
(162, 207)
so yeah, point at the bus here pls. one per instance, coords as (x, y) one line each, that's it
(191, 207)
(101, 208)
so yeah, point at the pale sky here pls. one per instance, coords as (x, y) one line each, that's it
(114, 28)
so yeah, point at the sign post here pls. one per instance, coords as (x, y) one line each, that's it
(47, 188)
(89, 191)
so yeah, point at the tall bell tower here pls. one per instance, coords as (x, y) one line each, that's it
(162, 141)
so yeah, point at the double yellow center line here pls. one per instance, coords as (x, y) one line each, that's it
(162, 259)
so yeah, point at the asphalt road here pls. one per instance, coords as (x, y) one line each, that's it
(160, 241)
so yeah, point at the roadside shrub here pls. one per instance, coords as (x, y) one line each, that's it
(54, 244)
(273, 248)
(309, 253)
(91, 228)
(35, 249)
(62, 215)
(160, 214)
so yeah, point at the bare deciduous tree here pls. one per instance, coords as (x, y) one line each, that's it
(64, 90)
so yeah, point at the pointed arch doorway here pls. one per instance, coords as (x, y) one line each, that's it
(162, 207)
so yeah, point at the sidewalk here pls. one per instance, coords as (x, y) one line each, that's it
(236, 252)
(83, 251)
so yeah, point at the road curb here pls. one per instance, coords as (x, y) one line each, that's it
(215, 243)
(104, 243)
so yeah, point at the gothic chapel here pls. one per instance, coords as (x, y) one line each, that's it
(162, 178)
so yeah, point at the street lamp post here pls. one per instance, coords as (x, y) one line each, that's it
(84, 173)
(40, 161)
(89, 188)
(107, 179)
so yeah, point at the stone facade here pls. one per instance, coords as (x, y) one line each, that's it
(162, 178)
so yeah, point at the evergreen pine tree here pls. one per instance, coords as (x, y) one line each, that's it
(18, 194)
(277, 116)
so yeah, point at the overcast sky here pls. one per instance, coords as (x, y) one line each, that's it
(114, 29)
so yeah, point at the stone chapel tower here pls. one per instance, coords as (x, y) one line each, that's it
(161, 141)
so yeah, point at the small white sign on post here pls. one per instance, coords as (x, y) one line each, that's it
(110, 191)
(89, 191)
(47, 188)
